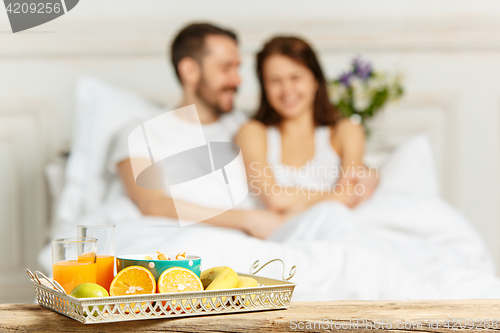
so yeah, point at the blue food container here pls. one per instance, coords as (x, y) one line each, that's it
(156, 266)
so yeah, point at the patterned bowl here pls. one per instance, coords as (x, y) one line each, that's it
(156, 266)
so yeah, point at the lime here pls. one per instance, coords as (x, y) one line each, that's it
(85, 290)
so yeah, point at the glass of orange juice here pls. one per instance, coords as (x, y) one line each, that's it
(105, 234)
(74, 261)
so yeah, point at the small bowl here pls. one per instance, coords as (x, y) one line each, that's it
(156, 266)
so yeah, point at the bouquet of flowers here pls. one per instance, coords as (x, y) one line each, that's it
(361, 92)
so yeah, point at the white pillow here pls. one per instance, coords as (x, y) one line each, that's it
(411, 169)
(101, 111)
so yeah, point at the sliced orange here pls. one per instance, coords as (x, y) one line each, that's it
(178, 280)
(133, 280)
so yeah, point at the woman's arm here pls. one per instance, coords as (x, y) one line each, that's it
(349, 138)
(257, 223)
(253, 143)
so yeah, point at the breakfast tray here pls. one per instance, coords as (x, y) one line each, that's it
(270, 294)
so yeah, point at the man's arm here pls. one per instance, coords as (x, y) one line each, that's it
(155, 203)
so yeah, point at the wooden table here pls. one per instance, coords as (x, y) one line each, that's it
(344, 316)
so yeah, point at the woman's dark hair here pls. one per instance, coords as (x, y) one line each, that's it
(296, 49)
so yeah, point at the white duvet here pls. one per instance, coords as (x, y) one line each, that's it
(403, 243)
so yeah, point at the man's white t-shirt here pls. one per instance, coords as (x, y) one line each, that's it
(222, 130)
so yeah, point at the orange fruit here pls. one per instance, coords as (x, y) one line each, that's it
(178, 280)
(133, 280)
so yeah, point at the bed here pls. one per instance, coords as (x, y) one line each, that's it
(404, 243)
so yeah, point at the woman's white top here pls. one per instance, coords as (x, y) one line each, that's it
(319, 173)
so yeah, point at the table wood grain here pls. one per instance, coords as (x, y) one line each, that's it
(344, 316)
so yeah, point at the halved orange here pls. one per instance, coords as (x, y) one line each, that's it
(133, 280)
(178, 280)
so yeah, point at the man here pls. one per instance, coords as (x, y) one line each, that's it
(206, 61)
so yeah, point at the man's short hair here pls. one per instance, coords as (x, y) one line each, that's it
(190, 42)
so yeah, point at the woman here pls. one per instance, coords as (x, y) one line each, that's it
(297, 149)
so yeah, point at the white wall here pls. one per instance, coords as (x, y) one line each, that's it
(448, 50)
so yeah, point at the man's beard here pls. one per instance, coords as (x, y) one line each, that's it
(209, 96)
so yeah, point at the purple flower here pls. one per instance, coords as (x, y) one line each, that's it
(362, 69)
(344, 78)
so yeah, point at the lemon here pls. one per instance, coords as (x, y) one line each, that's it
(85, 290)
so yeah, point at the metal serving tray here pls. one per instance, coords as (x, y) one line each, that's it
(271, 294)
